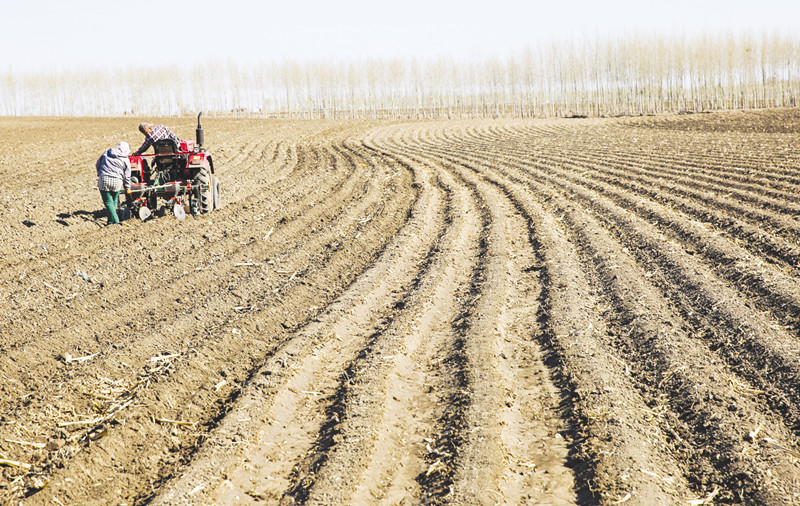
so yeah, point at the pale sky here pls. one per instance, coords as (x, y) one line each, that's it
(46, 35)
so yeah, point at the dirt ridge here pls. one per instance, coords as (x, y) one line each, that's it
(582, 311)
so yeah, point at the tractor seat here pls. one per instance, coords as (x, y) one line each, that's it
(165, 150)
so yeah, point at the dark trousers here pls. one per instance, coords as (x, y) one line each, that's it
(110, 200)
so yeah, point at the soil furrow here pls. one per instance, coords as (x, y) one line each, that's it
(606, 406)
(501, 446)
(777, 216)
(121, 300)
(363, 408)
(286, 432)
(570, 311)
(634, 313)
(748, 223)
(772, 346)
(701, 392)
(369, 229)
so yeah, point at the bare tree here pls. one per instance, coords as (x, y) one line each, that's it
(613, 76)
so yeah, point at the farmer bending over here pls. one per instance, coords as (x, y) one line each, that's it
(153, 133)
(113, 174)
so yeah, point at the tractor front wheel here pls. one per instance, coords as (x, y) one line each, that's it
(202, 193)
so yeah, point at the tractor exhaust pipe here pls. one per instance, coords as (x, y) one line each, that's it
(199, 136)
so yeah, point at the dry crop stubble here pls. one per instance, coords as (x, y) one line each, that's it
(499, 311)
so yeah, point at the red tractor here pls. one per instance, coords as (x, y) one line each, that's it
(182, 174)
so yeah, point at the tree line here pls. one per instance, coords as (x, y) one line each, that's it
(630, 75)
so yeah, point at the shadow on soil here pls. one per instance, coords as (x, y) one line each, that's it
(80, 214)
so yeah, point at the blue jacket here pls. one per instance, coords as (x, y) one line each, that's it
(113, 163)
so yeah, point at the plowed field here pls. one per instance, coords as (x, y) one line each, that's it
(572, 311)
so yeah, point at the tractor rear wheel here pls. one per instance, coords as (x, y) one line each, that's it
(202, 193)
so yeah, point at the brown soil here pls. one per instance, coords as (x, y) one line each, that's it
(466, 312)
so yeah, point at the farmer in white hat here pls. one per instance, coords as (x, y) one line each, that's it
(114, 175)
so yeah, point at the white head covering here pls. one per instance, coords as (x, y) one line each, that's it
(124, 148)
